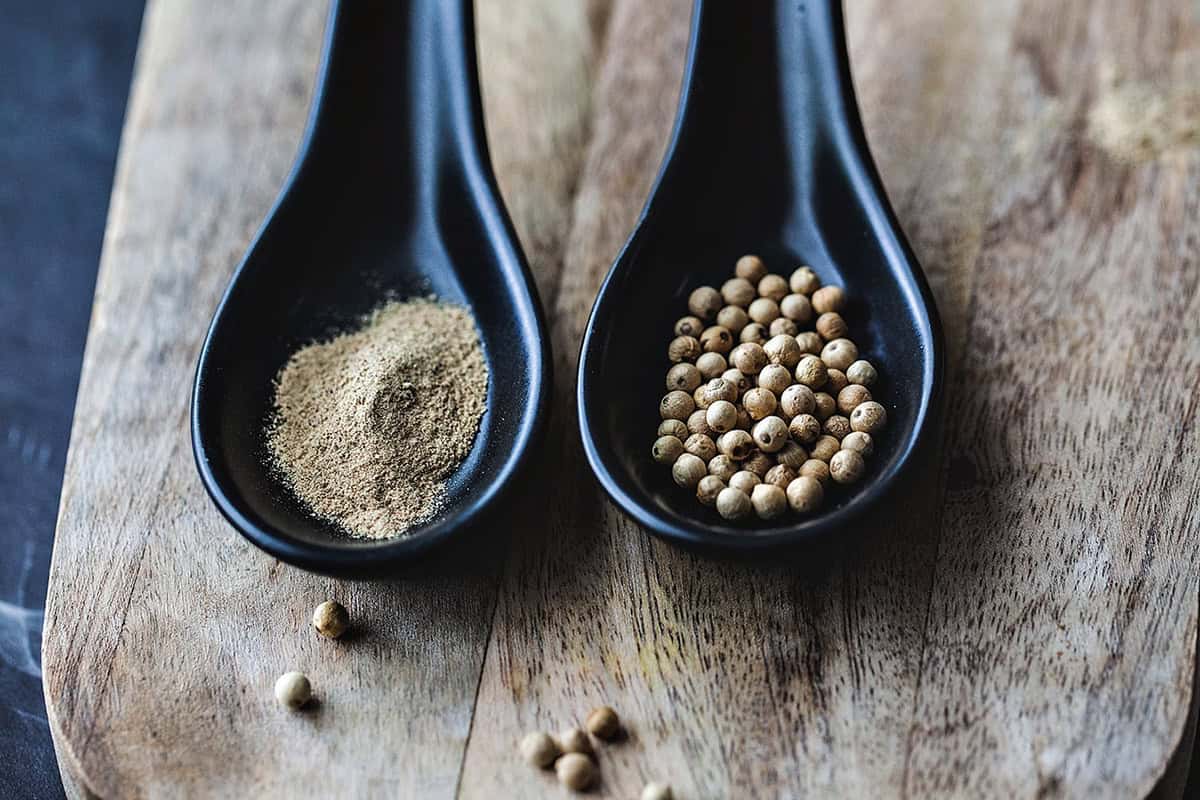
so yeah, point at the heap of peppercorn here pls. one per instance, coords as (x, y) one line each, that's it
(767, 399)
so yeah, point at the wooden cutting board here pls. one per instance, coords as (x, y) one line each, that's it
(1027, 626)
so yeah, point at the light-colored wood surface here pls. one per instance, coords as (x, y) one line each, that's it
(1025, 627)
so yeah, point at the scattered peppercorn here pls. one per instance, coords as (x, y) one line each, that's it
(539, 749)
(603, 722)
(293, 690)
(575, 771)
(657, 791)
(331, 619)
(767, 399)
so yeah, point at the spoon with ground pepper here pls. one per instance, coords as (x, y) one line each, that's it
(392, 195)
(769, 157)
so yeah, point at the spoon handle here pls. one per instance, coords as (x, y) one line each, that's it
(398, 100)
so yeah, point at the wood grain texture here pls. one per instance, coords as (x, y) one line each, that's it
(1023, 625)
(166, 629)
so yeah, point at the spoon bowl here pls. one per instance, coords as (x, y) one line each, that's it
(768, 156)
(392, 196)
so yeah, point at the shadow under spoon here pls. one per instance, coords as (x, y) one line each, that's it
(392, 196)
(768, 156)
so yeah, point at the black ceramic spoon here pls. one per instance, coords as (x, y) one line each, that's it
(392, 195)
(768, 156)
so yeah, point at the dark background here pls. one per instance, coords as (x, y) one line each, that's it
(65, 67)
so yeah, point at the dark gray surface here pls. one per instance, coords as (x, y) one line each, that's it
(64, 75)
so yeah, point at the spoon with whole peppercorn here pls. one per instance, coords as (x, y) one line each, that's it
(768, 157)
(392, 197)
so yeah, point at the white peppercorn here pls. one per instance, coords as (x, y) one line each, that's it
(797, 308)
(862, 373)
(836, 426)
(769, 501)
(331, 619)
(716, 340)
(683, 377)
(738, 292)
(817, 469)
(733, 319)
(764, 310)
(805, 495)
(831, 326)
(828, 298)
(293, 690)
(846, 466)
(744, 481)
(676, 405)
(797, 399)
(683, 348)
(575, 771)
(839, 354)
(738, 379)
(722, 467)
(770, 434)
(810, 343)
(701, 446)
(708, 488)
(782, 326)
(751, 268)
(737, 444)
(779, 475)
(859, 442)
(835, 381)
(721, 416)
(657, 791)
(748, 357)
(573, 740)
(710, 365)
(759, 403)
(823, 448)
(754, 333)
(719, 389)
(851, 397)
(602, 722)
(700, 398)
(698, 423)
(804, 281)
(666, 449)
(783, 350)
(810, 371)
(744, 422)
(733, 503)
(539, 749)
(869, 417)
(673, 427)
(688, 470)
(825, 405)
(804, 428)
(773, 287)
(759, 463)
(689, 326)
(775, 378)
(791, 454)
(705, 302)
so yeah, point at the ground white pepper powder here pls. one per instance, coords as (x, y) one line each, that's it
(370, 424)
